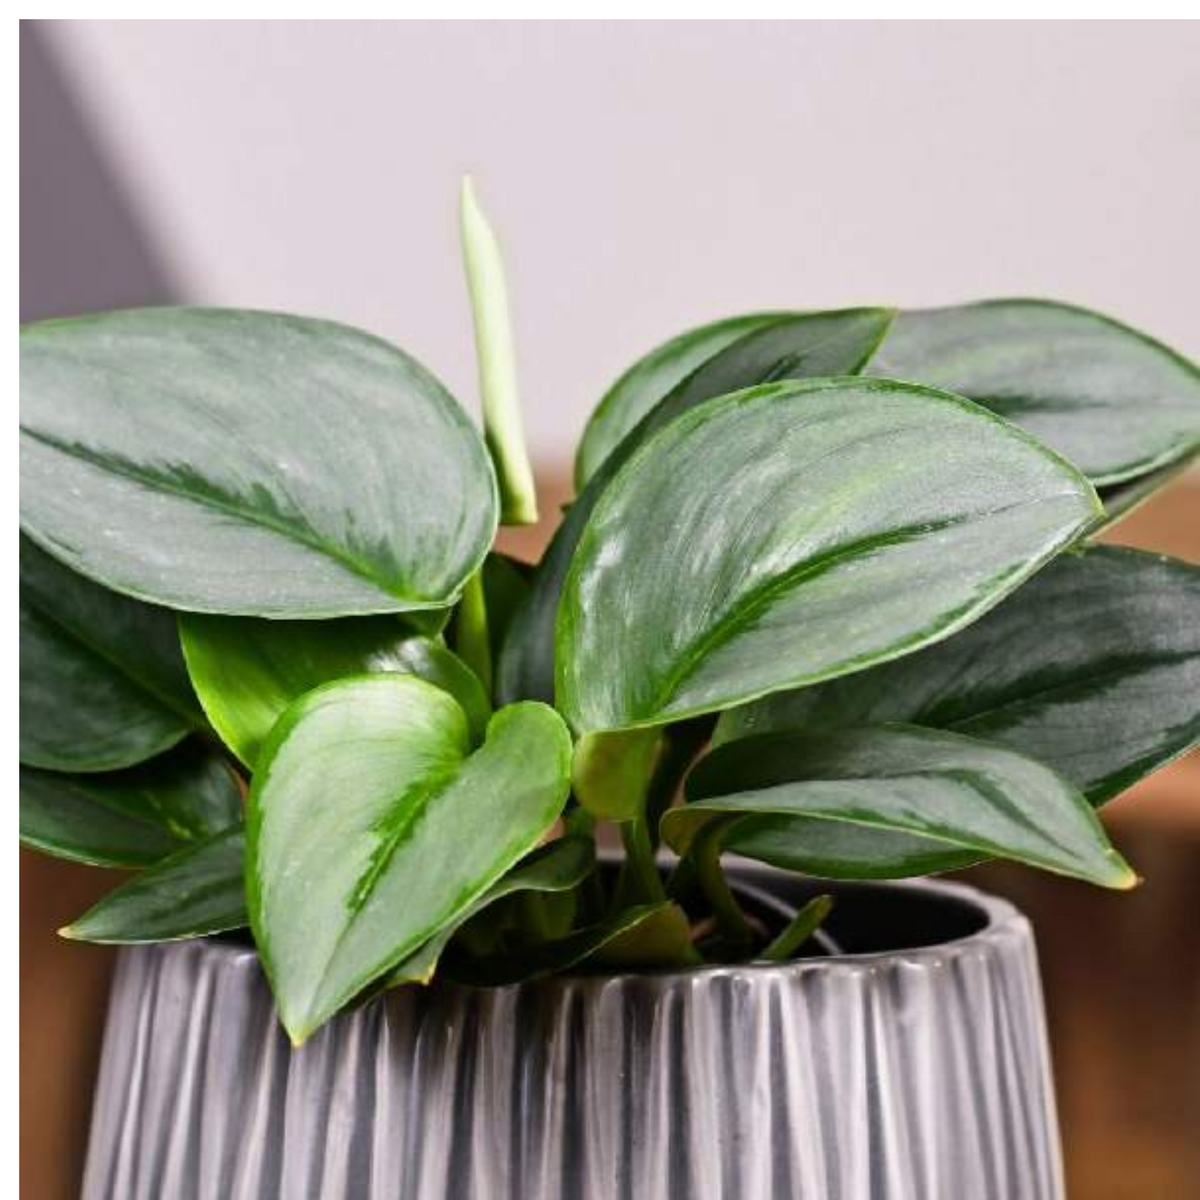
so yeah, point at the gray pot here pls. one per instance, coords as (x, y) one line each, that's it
(916, 1074)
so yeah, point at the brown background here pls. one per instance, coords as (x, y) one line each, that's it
(1122, 978)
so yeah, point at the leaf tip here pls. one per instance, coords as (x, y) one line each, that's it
(68, 932)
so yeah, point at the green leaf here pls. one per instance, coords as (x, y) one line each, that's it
(133, 817)
(372, 826)
(641, 387)
(557, 866)
(968, 794)
(836, 524)
(1110, 399)
(102, 680)
(790, 346)
(669, 945)
(497, 362)
(799, 929)
(197, 892)
(611, 772)
(248, 463)
(505, 587)
(248, 671)
(1093, 668)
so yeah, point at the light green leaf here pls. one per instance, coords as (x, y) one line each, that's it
(557, 866)
(197, 892)
(372, 826)
(969, 795)
(795, 532)
(497, 362)
(641, 387)
(248, 671)
(133, 817)
(1093, 668)
(611, 772)
(1110, 399)
(789, 346)
(249, 463)
(102, 680)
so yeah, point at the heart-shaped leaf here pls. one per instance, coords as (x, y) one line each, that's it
(249, 463)
(1093, 668)
(840, 523)
(103, 683)
(645, 383)
(129, 818)
(247, 671)
(788, 346)
(969, 795)
(1112, 400)
(557, 866)
(372, 826)
(199, 891)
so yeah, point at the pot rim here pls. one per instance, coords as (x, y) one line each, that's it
(1001, 920)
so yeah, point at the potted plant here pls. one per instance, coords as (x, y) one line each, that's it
(827, 599)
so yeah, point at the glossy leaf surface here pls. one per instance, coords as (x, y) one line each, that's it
(133, 817)
(247, 671)
(557, 866)
(645, 383)
(840, 523)
(1093, 668)
(1110, 399)
(789, 346)
(967, 794)
(196, 892)
(372, 826)
(103, 683)
(249, 463)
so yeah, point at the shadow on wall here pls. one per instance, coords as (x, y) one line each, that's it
(82, 248)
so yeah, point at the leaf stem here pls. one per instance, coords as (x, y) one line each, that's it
(799, 929)
(472, 642)
(641, 874)
(706, 854)
(497, 363)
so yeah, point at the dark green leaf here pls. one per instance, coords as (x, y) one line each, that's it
(841, 523)
(970, 795)
(133, 817)
(641, 387)
(247, 670)
(248, 463)
(1093, 668)
(557, 866)
(372, 826)
(668, 946)
(787, 346)
(1116, 403)
(194, 893)
(102, 680)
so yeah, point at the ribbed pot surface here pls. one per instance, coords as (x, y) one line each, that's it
(917, 1075)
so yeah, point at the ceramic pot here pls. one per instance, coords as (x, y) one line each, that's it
(911, 1066)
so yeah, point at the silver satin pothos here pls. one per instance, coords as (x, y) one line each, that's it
(915, 1075)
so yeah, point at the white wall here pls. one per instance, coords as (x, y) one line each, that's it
(649, 176)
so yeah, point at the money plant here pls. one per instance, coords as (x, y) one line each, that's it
(828, 596)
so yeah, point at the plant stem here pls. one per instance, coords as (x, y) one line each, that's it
(799, 929)
(706, 854)
(679, 746)
(497, 363)
(641, 875)
(473, 643)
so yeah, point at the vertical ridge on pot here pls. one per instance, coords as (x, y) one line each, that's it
(916, 1075)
